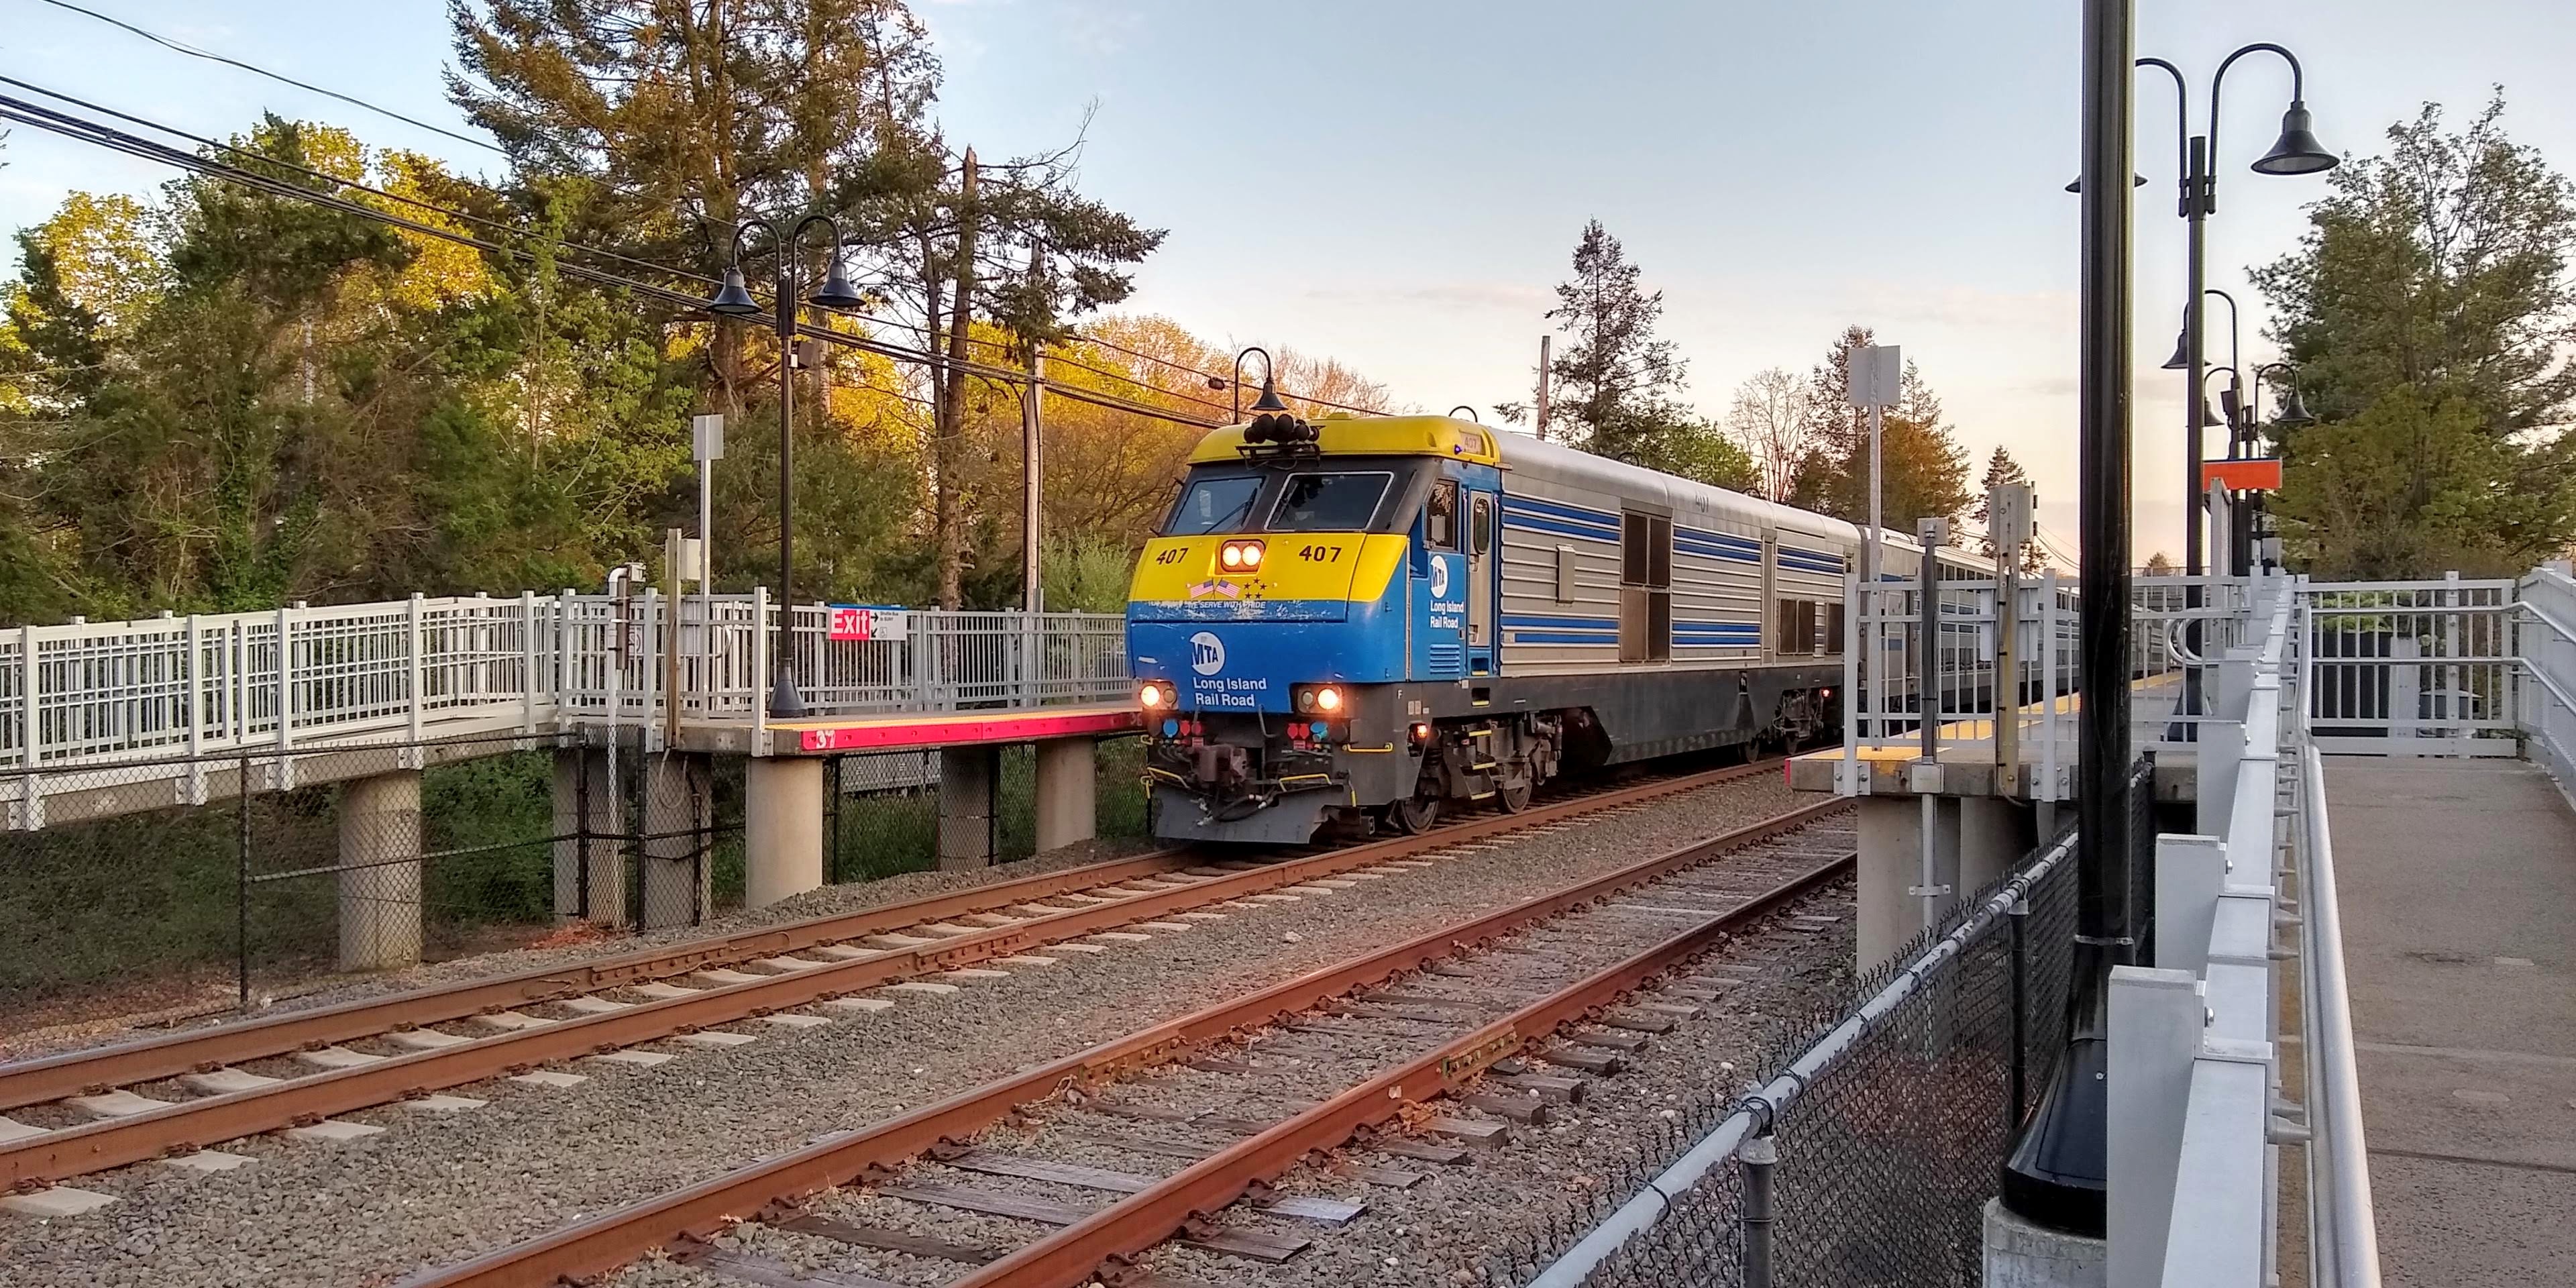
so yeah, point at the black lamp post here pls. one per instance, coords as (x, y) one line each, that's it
(2296, 151)
(733, 301)
(2055, 1175)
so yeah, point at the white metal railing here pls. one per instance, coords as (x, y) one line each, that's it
(2546, 642)
(2022, 714)
(2198, 1109)
(912, 660)
(2426, 668)
(159, 698)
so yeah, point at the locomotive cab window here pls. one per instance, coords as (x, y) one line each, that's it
(1328, 502)
(1440, 516)
(1222, 504)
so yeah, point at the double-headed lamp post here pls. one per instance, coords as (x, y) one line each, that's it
(2295, 151)
(733, 301)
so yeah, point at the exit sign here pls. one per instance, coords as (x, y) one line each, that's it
(850, 622)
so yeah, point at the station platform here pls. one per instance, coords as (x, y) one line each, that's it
(911, 730)
(2458, 887)
(1970, 765)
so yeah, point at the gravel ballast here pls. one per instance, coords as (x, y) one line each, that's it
(434, 1188)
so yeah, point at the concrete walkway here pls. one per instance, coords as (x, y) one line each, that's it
(2458, 880)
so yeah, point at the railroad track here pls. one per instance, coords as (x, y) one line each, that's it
(1506, 1012)
(176, 1095)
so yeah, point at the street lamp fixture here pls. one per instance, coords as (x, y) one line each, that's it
(2297, 150)
(1269, 399)
(734, 300)
(2294, 408)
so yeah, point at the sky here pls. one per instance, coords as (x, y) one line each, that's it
(1399, 184)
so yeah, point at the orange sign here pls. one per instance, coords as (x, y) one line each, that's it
(2260, 475)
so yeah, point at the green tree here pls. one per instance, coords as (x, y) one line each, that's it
(1925, 471)
(2412, 487)
(1704, 452)
(1616, 380)
(2431, 294)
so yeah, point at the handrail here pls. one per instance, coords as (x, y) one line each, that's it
(1761, 1108)
(2347, 1254)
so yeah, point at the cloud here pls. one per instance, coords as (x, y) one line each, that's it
(1454, 296)
(1965, 306)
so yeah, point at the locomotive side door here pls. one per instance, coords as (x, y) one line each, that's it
(1481, 582)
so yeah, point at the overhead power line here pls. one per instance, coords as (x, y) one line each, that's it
(103, 135)
(210, 56)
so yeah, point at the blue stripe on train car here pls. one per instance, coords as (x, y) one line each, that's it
(1530, 524)
(1560, 509)
(1559, 628)
(1718, 634)
(1723, 545)
(1810, 560)
(1561, 621)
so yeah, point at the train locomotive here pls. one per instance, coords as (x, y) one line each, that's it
(1358, 622)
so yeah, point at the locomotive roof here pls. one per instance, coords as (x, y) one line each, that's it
(1341, 434)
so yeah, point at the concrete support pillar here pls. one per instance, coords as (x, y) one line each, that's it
(1994, 834)
(970, 784)
(1068, 793)
(1891, 871)
(679, 808)
(590, 859)
(782, 833)
(2023, 1254)
(380, 903)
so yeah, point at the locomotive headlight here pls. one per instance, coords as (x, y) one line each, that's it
(1318, 700)
(1231, 556)
(1152, 696)
(1241, 555)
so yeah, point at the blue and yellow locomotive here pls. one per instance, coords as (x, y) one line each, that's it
(1363, 619)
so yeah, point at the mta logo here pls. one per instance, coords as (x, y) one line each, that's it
(1439, 578)
(1207, 653)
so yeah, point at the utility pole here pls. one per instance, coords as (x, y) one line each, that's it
(1543, 343)
(1032, 472)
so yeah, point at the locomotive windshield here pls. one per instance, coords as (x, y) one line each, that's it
(1214, 505)
(1328, 502)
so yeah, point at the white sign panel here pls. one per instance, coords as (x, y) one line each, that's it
(1877, 373)
(706, 436)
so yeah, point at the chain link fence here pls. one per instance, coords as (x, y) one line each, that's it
(1897, 1122)
(882, 808)
(182, 887)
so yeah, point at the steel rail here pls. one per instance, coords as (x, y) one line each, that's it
(1074, 1255)
(192, 1124)
(35, 1081)
(605, 1242)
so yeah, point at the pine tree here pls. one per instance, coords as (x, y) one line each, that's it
(1616, 380)
(2003, 470)
(1925, 472)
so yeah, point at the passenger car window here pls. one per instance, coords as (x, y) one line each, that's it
(1440, 516)
(1328, 502)
(1213, 505)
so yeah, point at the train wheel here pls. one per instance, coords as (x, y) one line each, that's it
(1514, 799)
(1413, 815)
